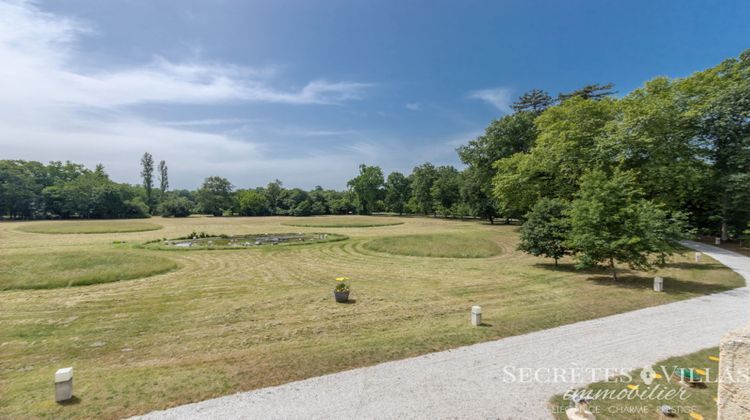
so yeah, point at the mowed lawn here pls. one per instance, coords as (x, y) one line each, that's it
(233, 320)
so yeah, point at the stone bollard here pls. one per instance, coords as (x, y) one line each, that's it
(717, 241)
(64, 384)
(658, 284)
(476, 315)
(698, 257)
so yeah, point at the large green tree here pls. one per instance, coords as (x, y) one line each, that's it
(367, 187)
(215, 195)
(397, 192)
(147, 174)
(163, 178)
(503, 138)
(546, 229)
(611, 222)
(534, 101)
(422, 178)
(568, 144)
(446, 190)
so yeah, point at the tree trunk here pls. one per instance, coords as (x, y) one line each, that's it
(492, 220)
(724, 212)
(614, 269)
(555, 262)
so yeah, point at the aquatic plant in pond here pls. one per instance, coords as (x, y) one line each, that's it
(203, 240)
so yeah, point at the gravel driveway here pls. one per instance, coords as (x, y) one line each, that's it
(475, 381)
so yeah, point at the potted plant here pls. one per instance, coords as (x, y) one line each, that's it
(341, 291)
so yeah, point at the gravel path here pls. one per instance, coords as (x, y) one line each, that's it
(473, 381)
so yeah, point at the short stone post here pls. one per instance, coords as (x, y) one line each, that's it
(717, 241)
(658, 284)
(64, 384)
(476, 315)
(698, 257)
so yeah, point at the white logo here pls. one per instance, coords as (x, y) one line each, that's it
(648, 375)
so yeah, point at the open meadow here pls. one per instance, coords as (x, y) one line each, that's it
(149, 328)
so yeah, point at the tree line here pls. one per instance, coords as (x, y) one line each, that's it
(676, 148)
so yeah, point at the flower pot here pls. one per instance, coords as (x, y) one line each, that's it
(341, 296)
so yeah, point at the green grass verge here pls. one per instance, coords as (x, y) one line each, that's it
(437, 245)
(72, 268)
(645, 401)
(89, 227)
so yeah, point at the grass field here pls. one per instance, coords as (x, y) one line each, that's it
(49, 270)
(89, 226)
(461, 245)
(231, 321)
(698, 400)
(344, 222)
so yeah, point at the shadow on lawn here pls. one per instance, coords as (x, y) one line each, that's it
(571, 268)
(692, 266)
(73, 401)
(672, 286)
(626, 280)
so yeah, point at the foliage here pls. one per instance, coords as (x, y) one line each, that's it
(504, 137)
(446, 190)
(176, 206)
(611, 222)
(341, 284)
(397, 192)
(163, 178)
(147, 173)
(546, 229)
(250, 203)
(215, 195)
(595, 91)
(367, 188)
(534, 101)
(422, 178)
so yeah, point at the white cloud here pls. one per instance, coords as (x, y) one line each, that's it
(500, 98)
(413, 106)
(51, 109)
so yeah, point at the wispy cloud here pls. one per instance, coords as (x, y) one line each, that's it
(52, 108)
(413, 106)
(208, 122)
(501, 98)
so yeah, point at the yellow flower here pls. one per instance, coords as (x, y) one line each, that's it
(342, 278)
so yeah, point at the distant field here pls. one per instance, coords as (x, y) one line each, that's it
(224, 322)
(345, 221)
(93, 226)
(437, 245)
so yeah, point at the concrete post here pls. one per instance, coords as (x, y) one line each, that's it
(476, 315)
(658, 284)
(698, 256)
(717, 241)
(734, 388)
(64, 384)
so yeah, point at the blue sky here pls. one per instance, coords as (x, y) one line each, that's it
(305, 91)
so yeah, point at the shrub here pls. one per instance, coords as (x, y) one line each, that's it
(175, 207)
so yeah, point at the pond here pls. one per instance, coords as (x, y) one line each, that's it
(204, 241)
